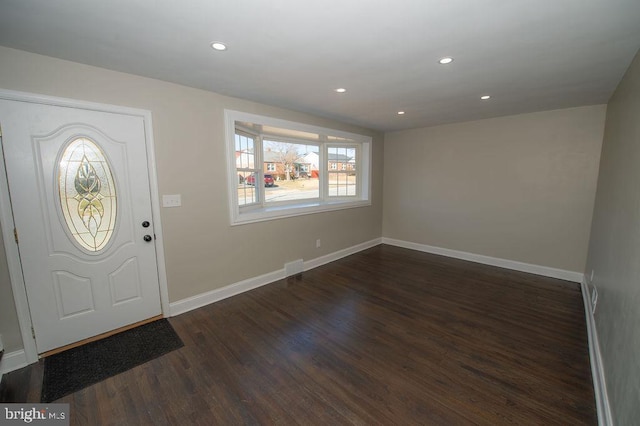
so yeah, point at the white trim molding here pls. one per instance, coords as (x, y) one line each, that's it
(487, 260)
(204, 299)
(597, 369)
(12, 361)
(323, 260)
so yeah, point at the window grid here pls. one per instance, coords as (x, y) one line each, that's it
(342, 180)
(246, 169)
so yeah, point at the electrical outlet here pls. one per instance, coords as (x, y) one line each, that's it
(318, 243)
(594, 298)
(174, 200)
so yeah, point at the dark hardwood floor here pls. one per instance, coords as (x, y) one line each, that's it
(386, 336)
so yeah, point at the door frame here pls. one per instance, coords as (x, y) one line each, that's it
(8, 226)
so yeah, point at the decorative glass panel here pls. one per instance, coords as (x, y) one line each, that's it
(87, 194)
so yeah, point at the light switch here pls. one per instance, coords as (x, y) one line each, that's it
(171, 200)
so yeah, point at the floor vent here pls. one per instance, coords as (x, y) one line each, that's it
(293, 268)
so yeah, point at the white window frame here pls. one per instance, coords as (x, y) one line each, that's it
(267, 211)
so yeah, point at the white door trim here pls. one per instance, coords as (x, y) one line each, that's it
(6, 214)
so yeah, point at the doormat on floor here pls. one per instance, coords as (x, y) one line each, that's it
(78, 368)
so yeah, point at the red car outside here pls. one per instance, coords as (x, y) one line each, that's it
(251, 180)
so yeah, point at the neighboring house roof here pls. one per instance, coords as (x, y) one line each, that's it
(314, 159)
(271, 157)
(340, 158)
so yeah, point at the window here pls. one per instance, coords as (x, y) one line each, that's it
(279, 168)
(290, 184)
(245, 168)
(344, 182)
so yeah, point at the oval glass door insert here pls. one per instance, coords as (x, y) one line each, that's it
(87, 194)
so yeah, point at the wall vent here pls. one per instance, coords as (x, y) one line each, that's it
(293, 268)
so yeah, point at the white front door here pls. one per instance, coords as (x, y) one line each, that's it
(80, 195)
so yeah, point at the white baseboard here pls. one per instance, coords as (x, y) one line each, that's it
(204, 299)
(323, 260)
(599, 384)
(13, 361)
(493, 261)
(200, 300)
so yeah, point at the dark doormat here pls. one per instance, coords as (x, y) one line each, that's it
(77, 368)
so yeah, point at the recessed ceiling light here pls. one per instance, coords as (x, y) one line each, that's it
(341, 90)
(446, 60)
(216, 45)
(485, 97)
(400, 112)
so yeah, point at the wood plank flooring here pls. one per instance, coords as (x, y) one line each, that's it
(386, 336)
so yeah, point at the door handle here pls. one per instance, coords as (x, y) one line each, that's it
(147, 238)
(145, 224)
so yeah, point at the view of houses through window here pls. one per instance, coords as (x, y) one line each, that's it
(245, 165)
(294, 170)
(291, 170)
(342, 178)
(279, 168)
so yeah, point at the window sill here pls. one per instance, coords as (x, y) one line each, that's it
(291, 210)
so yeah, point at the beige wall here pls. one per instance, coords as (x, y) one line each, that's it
(614, 249)
(203, 252)
(519, 188)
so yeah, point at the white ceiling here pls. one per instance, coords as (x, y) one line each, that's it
(529, 55)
